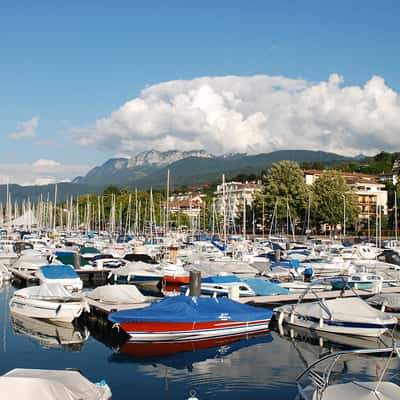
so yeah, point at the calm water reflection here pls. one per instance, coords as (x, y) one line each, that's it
(263, 367)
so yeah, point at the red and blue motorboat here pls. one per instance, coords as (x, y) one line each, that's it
(190, 318)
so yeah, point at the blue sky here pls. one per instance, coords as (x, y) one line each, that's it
(72, 63)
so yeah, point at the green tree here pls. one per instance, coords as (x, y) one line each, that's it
(332, 199)
(285, 191)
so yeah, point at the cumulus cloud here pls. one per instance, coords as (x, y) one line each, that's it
(25, 129)
(252, 114)
(40, 172)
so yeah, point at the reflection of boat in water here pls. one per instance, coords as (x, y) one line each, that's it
(183, 355)
(67, 335)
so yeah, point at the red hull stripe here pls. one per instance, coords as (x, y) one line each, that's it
(160, 327)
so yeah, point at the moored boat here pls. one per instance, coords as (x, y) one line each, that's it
(47, 301)
(351, 315)
(186, 317)
(35, 384)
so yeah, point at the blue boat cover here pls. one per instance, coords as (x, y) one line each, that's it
(221, 279)
(262, 287)
(192, 309)
(59, 272)
(286, 264)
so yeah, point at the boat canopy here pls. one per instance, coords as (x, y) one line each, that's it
(89, 250)
(45, 291)
(286, 264)
(135, 267)
(192, 309)
(391, 300)
(117, 294)
(59, 272)
(36, 384)
(342, 309)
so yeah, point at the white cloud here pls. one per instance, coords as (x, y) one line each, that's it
(25, 129)
(40, 172)
(252, 114)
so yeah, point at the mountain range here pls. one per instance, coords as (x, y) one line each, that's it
(149, 169)
(192, 167)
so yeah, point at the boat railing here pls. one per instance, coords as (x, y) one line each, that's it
(321, 381)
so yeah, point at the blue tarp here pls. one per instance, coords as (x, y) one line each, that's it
(59, 272)
(262, 287)
(192, 309)
(89, 250)
(221, 279)
(217, 245)
(286, 264)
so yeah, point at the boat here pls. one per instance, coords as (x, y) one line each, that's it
(186, 317)
(138, 273)
(314, 384)
(112, 295)
(363, 281)
(47, 301)
(42, 384)
(350, 315)
(64, 275)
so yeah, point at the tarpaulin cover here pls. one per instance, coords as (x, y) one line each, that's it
(39, 384)
(45, 291)
(262, 287)
(89, 250)
(221, 279)
(68, 258)
(192, 309)
(391, 300)
(117, 294)
(58, 272)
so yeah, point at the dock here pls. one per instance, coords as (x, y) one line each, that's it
(267, 301)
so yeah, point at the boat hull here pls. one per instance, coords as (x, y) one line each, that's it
(53, 311)
(161, 331)
(339, 327)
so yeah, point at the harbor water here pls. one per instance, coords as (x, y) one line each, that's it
(261, 367)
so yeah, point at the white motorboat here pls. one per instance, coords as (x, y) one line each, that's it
(64, 275)
(350, 315)
(47, 301)
(41, 384)
(315, 382)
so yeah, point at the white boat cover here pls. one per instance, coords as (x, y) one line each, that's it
(46, 291)
(351, 309)
(391, 300)
(138, 267)
(37, 384)
(117, 294)
(361, 391)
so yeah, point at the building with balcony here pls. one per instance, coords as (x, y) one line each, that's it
(370, 192)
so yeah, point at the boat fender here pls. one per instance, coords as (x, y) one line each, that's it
(102, 383)
(321, 322)
(116, 326)
(87, 307)
(110, 275)
(129, 277)
(292, 318)
(280, 319)
(192, 395)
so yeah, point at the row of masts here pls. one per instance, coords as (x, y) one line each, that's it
(141, 218)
